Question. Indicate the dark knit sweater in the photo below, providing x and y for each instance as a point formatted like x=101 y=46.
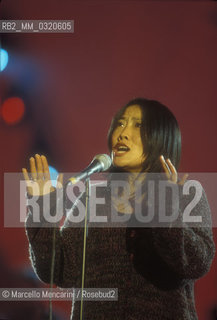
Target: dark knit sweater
x=154 y=269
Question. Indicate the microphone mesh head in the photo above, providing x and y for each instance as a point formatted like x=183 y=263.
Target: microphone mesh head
x=104 y=160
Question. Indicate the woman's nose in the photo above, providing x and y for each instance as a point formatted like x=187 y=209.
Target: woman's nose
x=124 y=134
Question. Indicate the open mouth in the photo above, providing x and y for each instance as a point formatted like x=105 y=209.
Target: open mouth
x=120 y=149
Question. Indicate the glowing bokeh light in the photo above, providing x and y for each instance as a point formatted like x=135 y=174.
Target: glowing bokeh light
x=12 y=110
x=53 y=175
x=3 y=59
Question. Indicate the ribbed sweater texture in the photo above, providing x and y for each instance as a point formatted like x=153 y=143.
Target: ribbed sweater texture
x=154 y=269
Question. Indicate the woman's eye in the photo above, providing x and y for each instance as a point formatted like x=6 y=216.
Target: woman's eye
x=138 y=125
x=120 y=124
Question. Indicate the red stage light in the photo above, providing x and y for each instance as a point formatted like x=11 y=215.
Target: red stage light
x=12 y=110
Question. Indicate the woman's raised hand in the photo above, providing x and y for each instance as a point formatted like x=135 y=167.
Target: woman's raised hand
x=38 y=181
x=171 y=172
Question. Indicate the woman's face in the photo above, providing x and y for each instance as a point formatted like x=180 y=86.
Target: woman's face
x=127 y=147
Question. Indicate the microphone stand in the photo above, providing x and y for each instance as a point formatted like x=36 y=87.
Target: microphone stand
x=87 y=213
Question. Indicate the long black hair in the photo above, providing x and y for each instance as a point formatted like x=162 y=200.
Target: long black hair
x=159 y=131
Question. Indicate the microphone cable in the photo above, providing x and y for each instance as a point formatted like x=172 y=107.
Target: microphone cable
x=52 y=272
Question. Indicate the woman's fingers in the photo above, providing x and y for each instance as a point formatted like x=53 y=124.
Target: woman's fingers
x=171 y=172
x=173 y=176
x=169 y=169
x=33 y=168
x=165 y=166
x=25 y=174
x=28 y=181
x=38 y=181
x=39 y=166
x=45 y=168
x=60 y=180
x=184 y=178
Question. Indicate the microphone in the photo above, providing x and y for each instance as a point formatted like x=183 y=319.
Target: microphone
x=101 y=162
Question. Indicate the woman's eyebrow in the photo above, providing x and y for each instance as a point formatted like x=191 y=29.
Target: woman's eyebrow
x=138 y=119
x=133 y=118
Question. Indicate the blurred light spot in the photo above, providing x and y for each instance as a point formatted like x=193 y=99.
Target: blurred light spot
x=53 y=175
x=12 y=110
x=3 y=59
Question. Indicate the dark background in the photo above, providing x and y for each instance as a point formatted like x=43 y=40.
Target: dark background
x=72 y=84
